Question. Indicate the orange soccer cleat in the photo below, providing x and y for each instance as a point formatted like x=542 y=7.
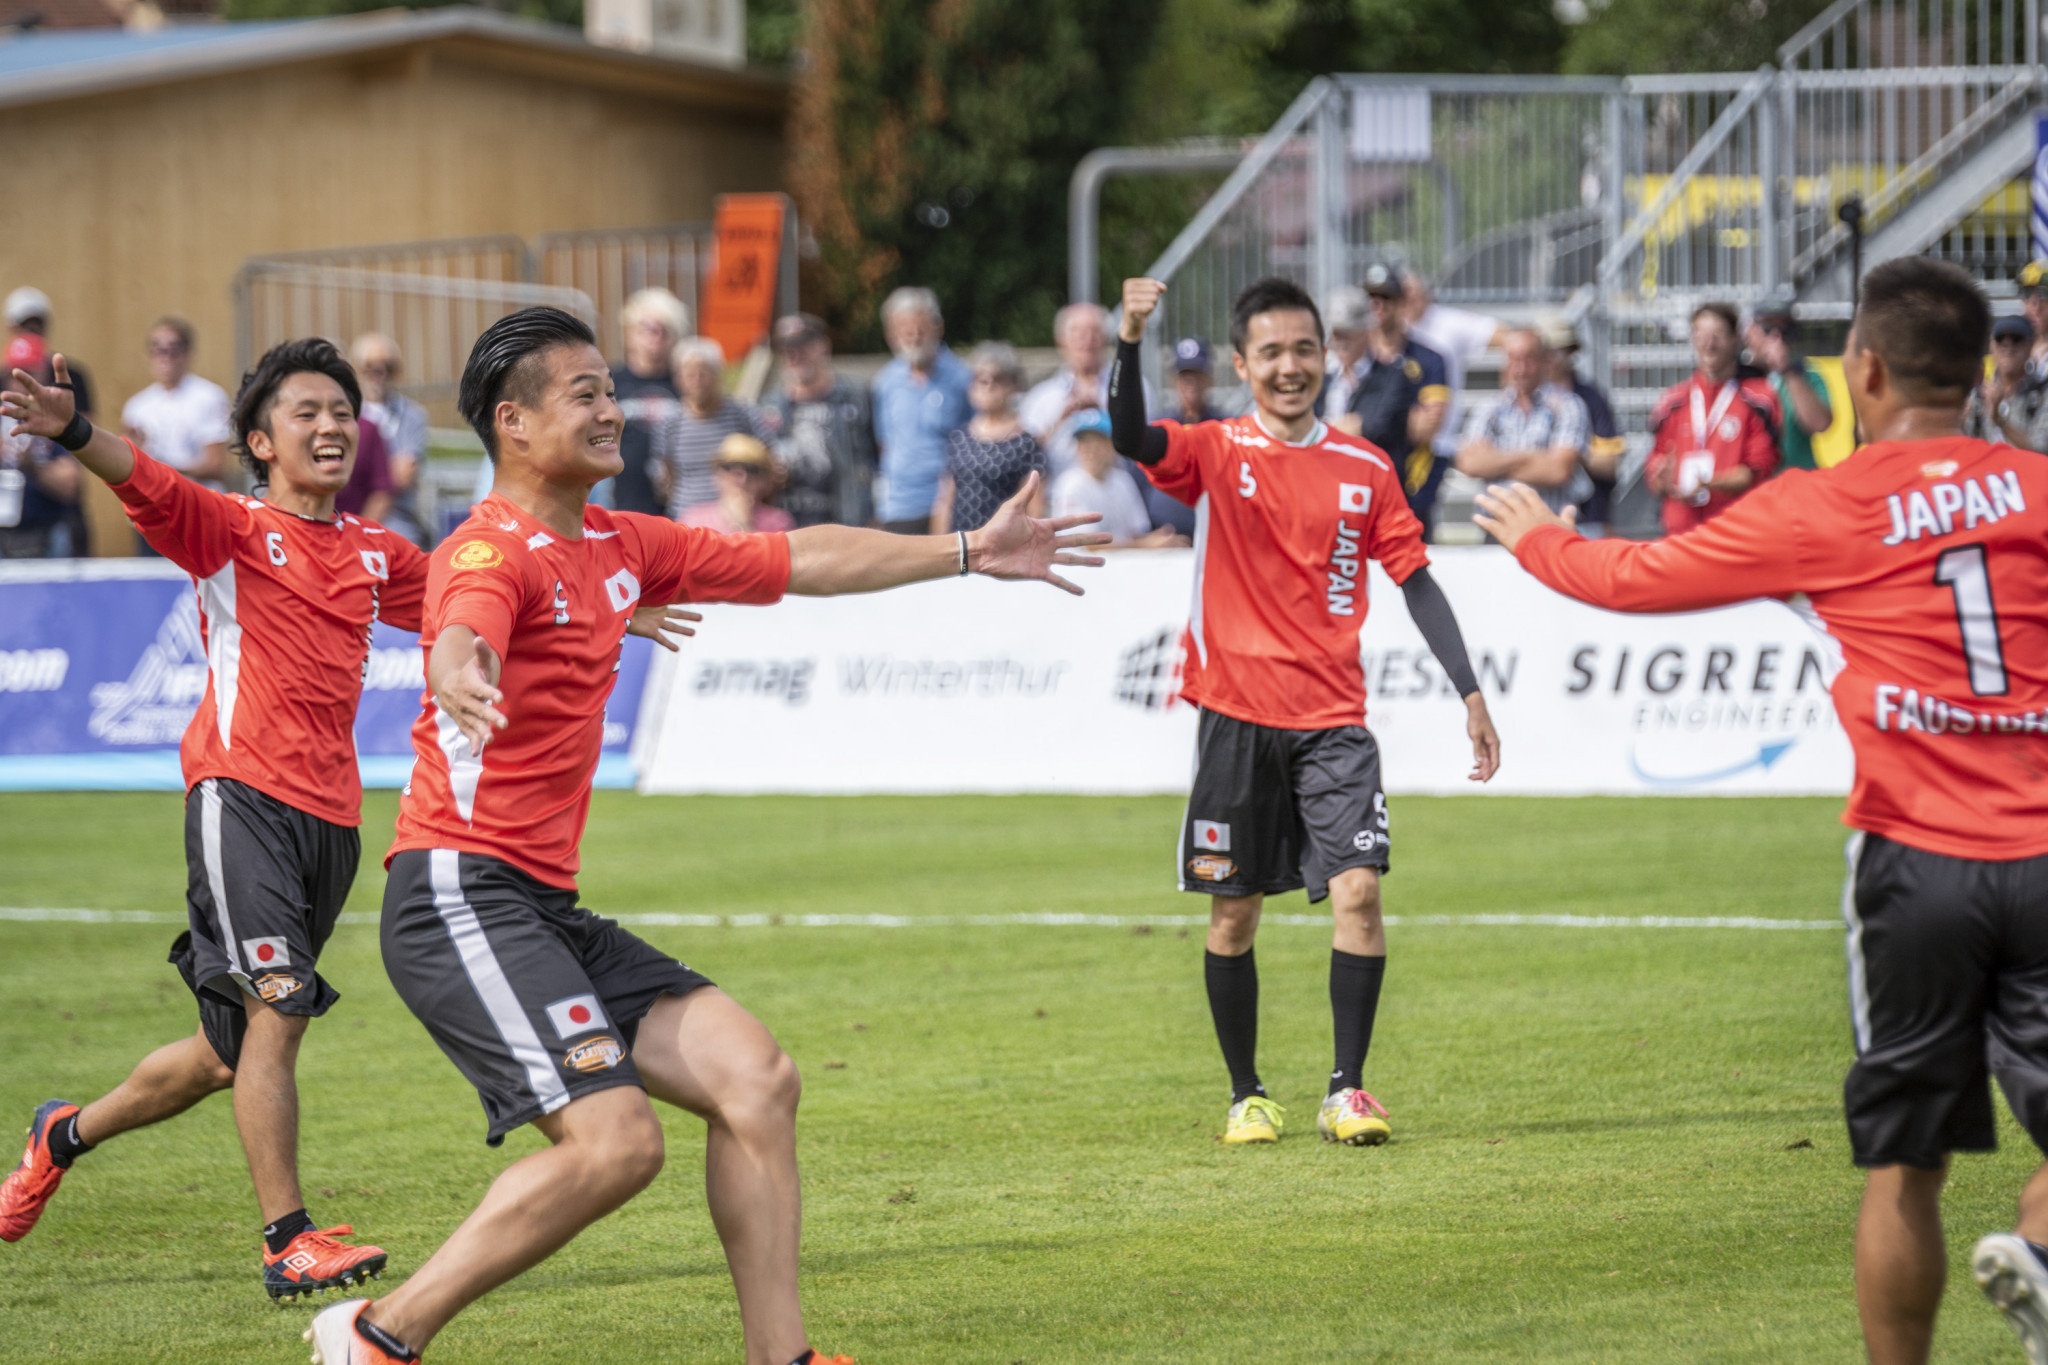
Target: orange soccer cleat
x=28 y=1187
x=314 y=1261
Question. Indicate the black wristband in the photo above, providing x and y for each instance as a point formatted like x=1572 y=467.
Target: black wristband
x=78 y=435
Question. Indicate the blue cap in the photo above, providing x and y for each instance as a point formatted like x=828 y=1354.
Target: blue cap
x=1191 y=353
x=1093 y=419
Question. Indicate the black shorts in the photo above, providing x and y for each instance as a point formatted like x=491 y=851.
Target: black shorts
x=1274 y=810
x=264 y=884
x=1948 y=981
x=535 y=999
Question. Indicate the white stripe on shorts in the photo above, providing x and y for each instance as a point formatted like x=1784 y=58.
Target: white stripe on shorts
x=488 y=978
x=216 y=876
x=1859 y=974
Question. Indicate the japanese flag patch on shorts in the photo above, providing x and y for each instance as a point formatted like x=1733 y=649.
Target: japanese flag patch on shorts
x=576 y=1014
x=1212 y=837
x=266 y=954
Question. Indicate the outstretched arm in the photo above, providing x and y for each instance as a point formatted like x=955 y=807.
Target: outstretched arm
x=1431 y=612
x=827 y=561
x=1747 y=552
x=49 y=409
x=462 y=673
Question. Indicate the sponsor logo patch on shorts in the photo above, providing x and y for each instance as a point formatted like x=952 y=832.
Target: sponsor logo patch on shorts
x=268 y=953
x=276 y=986
x=595 y=1055
x=1366 y=840
x=477 y=554
x=1210 y=869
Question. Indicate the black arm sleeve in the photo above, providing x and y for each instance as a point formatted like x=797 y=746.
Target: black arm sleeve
x=1431 y=612
x=1133 y=436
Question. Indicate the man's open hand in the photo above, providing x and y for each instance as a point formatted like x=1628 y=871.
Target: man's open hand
x=1485 y=739
x=1507 y=512
x=1016 y=544
x=652 y=623
x=1141 y=297
x=40 y=409
x=468 y=696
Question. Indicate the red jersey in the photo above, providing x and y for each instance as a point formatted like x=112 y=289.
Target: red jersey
x=555 y=611
x=285 y=608
x=1282 y=533
x=1928 y=563
x=1703 y=429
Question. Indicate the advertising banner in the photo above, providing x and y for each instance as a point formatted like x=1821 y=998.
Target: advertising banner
x=102 y=665
x=974 y=686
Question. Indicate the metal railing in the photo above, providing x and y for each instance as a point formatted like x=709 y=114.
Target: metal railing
x=434 y=298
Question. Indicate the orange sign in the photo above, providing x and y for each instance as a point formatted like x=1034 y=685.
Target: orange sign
x=739 y=299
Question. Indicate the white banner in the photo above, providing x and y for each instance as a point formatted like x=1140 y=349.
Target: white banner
x=974 y=686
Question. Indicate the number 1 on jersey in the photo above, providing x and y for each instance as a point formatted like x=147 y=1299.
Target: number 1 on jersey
x=1964 y=571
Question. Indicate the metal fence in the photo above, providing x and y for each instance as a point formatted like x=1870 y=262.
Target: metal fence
x=435 y=298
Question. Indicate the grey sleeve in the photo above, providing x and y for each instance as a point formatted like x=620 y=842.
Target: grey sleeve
x=1431 y=612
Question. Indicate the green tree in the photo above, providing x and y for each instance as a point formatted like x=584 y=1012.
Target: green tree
x=1628 y=37
x=931 y=142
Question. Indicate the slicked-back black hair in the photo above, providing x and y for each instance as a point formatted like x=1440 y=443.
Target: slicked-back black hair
x=504 y=364
x=1929 y=321
x=307 y=355
x=1270 y=295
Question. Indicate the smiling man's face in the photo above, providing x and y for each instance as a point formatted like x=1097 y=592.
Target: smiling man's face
x=567 y=428
x=309 y=438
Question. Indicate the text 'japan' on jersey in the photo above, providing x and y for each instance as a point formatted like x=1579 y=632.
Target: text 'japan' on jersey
x=1927 y=561
x=555 y=610
x=286 y=604
x=1282 y=534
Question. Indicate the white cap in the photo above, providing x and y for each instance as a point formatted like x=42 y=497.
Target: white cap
x=25 y=303
x=1347 y=309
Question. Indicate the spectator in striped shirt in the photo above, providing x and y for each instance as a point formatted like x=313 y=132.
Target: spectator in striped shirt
x=1534 y=433
x=686 y=445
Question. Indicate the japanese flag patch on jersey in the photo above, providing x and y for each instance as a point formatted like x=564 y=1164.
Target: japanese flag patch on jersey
x=576 y=1014
x=266 y=952
x=1212 y=836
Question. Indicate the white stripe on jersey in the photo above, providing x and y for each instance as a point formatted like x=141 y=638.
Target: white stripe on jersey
x=223 y=645
x=1201 y=560
x=465 y=770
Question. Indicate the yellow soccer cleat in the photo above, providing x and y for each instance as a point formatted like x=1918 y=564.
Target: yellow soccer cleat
x=1353 y=1118
x=1254 y=1119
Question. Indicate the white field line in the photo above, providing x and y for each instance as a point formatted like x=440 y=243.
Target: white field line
x=34 y=915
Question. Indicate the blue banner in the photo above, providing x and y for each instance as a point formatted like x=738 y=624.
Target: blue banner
x=102 y=665
x=2040 y=189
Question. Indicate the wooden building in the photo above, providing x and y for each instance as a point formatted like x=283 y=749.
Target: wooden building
x=146 y=167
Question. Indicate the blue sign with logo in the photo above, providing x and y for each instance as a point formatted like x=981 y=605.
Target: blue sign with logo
x=102 y=665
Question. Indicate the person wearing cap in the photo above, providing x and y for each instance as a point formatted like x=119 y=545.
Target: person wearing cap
x=1802 y=393
x=28 y=313
x=1194 y=371
x=39 y=480
x=821 y=429
x=1049 y=411
x=1097 y=483
x=2012 y=405
x=2033 y=277
x=745 y=475
x=1347 y=317
x=1604 y=446
x=1398 y=395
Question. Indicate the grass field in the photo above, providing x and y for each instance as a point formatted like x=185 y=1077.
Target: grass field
x=1610 y=1144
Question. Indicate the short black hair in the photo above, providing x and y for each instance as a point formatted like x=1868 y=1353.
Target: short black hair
x=1929 y=321
x=307 y=355
x=1724 y=311
x=1270 y=295
x=505 y=363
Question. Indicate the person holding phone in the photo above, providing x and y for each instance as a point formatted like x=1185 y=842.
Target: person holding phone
x=1716 y=431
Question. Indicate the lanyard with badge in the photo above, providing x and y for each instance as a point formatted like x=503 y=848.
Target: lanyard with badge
x=1697 y=466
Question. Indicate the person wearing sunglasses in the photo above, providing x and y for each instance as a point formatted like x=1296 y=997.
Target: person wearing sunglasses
x=2011 y=405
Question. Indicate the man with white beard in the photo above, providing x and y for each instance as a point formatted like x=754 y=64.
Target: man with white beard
x=919 y=399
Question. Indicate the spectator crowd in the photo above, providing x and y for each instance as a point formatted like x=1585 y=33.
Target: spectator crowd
x=939 y=440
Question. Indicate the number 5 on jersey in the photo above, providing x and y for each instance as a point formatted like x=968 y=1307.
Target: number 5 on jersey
x=1246 y=484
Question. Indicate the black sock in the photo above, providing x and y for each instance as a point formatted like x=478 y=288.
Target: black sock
x=65 y=1144
x=279 y=1235
x=2040 y=1252
x=1234 y=1004
x=1354 y=1000
x=383 y=1340
x=806 y=1358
